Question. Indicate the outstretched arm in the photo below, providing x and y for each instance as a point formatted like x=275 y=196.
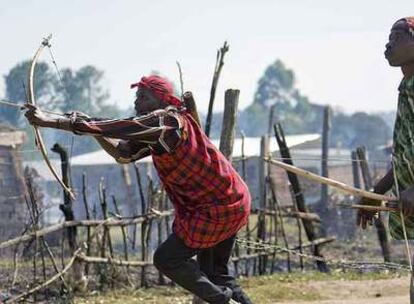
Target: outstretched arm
x=112 y=146
x=125 y=139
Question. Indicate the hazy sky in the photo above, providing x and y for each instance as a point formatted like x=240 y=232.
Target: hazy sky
x=335 y=47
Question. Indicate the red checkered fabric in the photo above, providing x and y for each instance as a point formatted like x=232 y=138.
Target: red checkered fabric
x=211 y=200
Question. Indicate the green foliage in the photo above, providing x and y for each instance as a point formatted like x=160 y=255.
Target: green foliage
x=16 y=83
x=360 y=129
x=298 y=115
x=81 y=90
x=275 y=85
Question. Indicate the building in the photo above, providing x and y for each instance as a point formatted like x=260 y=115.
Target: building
x=13 y=210
x=120 y=181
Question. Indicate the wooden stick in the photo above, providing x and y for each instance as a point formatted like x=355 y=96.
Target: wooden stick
x=331 y=182
x=231 y=101
x=124 y=235
x=373 y=208
x=191 y=107
x=48 y=282
x=108 y=260
x=313 y=217
x=23 y=106
x=278 y=213
x=315 y=242
x=83 y=223
x=298 y=198
x=217 y=70
x=88 y=217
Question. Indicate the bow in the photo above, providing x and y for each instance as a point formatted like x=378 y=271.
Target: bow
x=389 y=206
x=31 y=100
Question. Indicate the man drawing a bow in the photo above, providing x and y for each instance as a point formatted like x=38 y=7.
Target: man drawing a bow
x=211 y=201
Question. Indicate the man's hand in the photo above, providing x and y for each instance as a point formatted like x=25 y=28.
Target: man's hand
x=365 y=217
x=407 y=201
x=77 y=114
x=35 y=116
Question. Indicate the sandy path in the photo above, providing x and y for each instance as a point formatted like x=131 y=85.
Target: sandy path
x=381 y=300
x=391 y=291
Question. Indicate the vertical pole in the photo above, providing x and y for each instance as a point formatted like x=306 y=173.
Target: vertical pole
x=379 y=222
x=217 y=70
x=325 y=155
x=263 y=170
x=300 y=199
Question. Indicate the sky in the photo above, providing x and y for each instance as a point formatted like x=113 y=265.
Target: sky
x=334 y=47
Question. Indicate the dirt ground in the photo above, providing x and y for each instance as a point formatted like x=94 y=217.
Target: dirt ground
x=388 y=291
x=283 y=290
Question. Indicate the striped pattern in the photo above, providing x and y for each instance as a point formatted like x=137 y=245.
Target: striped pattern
x=403 y=153
x=210 y=199
x=142 y=133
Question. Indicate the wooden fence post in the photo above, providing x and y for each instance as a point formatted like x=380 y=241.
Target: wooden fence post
x=231 y=102
x=325 y=155
x=379 y=222
x=263 y=172
x=300 y=199
x=66 y=207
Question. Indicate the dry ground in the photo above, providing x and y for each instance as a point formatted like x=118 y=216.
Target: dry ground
x=298 y=288
x=384 y=291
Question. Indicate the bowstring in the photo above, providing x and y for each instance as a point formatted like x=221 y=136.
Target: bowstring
x=71 y=139
x=397 y=193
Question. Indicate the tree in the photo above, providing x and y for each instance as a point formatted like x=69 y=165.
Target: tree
x=298 y=115
x=15 y=82
x=293 y=110
x=82 y=90
x=360 y=129
x=275 y=86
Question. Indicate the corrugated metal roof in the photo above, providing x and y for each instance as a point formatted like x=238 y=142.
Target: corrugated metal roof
x=251 y=147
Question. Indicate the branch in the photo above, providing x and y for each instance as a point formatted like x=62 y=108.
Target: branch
x=217 y=70
x=84 y=223
x=48 y=282
x=109 y=260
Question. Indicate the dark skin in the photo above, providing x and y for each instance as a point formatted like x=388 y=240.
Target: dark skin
x=144 y=103
x=400 y=48
x=399 y=52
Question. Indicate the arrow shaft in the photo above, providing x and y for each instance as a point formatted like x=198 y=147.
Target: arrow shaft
x=327 y=181
x=22 y=106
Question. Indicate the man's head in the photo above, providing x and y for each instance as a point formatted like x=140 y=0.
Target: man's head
x=400 y=48
x=154 y=93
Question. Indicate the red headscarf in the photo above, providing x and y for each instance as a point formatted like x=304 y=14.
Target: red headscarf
x=160 y=87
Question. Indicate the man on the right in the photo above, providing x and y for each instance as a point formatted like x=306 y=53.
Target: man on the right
x=400 y=53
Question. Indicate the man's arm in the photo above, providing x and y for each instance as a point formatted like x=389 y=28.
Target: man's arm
x=111 y=146
x=119 y=149
x=126 y=140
